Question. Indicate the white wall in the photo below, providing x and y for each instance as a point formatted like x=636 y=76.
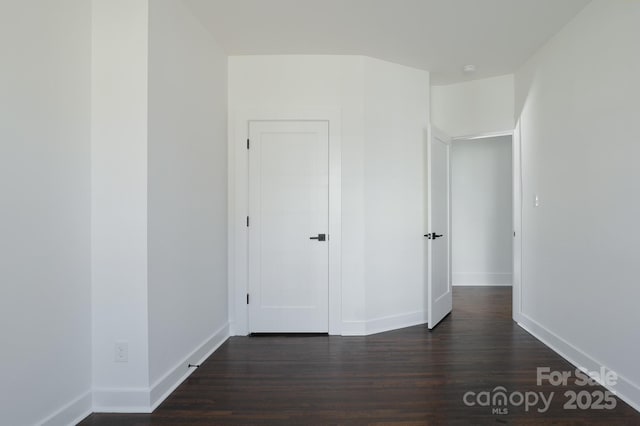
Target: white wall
x=475 y=107
x=482 y=232
x=396 y=106
x=119 y=200
x=76 y=164
x=291 y=83
x=371 y=148
x=577 y=100
x=187 y=161
x=159 y=199
x=45 y=293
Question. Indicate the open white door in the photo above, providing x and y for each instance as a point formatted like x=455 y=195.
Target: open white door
x=439 y=292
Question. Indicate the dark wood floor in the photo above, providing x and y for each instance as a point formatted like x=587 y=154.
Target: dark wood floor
x=409 y=376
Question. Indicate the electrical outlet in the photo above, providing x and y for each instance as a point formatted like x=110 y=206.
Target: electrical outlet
x=122 y=351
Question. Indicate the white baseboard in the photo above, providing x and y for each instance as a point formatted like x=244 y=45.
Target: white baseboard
x=624 y=389
x=482 y=279
x=394 y=322
x=121 y=400
x=145 y=400
x=163 y=387
x=354 y=328
x=380 y=325
x=72 y=413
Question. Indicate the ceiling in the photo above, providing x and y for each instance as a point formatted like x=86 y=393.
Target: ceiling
x=440 y=36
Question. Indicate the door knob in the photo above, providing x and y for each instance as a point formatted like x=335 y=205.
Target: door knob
x=432 y=236
x=320 y=237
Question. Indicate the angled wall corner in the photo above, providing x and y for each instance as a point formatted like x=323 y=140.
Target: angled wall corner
x=158 y=200
x=396 y=119
x=384 y=110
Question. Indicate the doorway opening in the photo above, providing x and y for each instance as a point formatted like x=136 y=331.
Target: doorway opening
x=484 y=230
x=481 y=211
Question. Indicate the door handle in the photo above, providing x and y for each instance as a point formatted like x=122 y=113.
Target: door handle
x=432 y=236
x=320 y=237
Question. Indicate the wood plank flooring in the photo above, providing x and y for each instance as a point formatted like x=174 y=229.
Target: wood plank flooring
x=409 y=377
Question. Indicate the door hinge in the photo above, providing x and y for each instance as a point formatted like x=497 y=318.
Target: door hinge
x=248 y=143
x=247 y=298
x=247 y=221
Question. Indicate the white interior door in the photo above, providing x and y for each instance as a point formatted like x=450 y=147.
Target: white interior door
x=288 y=226
x=439 y=291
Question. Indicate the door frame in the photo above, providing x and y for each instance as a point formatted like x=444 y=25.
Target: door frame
x=516 y=170
x=238 y=209
x=516 y=149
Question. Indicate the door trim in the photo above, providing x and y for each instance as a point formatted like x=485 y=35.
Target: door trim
x=516 y=147
x=238 y=203
x=482 y=135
